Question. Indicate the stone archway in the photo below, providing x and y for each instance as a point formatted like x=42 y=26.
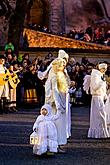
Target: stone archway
x=38 y=13
x=62 y=15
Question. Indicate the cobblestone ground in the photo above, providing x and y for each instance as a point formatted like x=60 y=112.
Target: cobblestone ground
x=15 y=149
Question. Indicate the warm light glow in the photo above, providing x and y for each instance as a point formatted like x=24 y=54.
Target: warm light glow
x=44 y=40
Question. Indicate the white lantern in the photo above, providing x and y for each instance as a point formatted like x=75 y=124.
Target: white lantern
x=34 y=138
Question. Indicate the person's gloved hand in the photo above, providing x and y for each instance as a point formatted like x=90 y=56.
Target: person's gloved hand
x=62 y=111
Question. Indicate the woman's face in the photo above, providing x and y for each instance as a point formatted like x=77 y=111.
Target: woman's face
x=73 y=69
x=72 y=84
x=26 y=57
x=44 y=112
x=24 y=63
x=2 y=61
x=103 y=70
x=77 y=68
x=10 y=56
x=82 y=67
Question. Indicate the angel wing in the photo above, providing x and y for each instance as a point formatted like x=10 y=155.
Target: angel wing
x=86 y=83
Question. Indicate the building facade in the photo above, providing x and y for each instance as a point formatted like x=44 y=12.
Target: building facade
x=59 y=16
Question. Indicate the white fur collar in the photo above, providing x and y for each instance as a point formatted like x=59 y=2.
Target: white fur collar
x=95 y=71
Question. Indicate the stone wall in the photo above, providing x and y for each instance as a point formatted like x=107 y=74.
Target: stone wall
x=64 y=15
x=107 y=5
x=80 y=13
x=76 y=14
x=4 y=24
x=56 y=21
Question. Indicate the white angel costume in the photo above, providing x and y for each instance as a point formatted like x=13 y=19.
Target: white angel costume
x=86 y=83
x=46 y=132
x=57 y=98
x=51 y=90
x=98 y=124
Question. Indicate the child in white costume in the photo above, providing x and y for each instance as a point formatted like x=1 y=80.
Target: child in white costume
x=46 y=131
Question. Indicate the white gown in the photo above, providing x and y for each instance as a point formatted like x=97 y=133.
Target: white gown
x=98 y=123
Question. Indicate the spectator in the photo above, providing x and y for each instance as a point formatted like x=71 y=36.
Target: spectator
x=26 y=57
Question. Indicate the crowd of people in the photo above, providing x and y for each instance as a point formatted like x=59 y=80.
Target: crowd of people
x=34 y=91
x=54 y=85
x=93 y=34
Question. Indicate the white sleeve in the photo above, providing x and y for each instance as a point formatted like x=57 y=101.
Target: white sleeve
x=38 y=120
x=55 y=117
x=72 y=90
x=42 y=75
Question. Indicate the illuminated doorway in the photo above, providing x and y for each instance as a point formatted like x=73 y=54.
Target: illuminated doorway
x=38 y=13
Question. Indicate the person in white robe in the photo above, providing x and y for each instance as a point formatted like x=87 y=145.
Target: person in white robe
x=98 y=123
x=48 y=88
x=59 y=83
x=46 y=131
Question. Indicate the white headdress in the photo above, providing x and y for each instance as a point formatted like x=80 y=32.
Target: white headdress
x=47 y=107
x=63 y=54
x=103 y=65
